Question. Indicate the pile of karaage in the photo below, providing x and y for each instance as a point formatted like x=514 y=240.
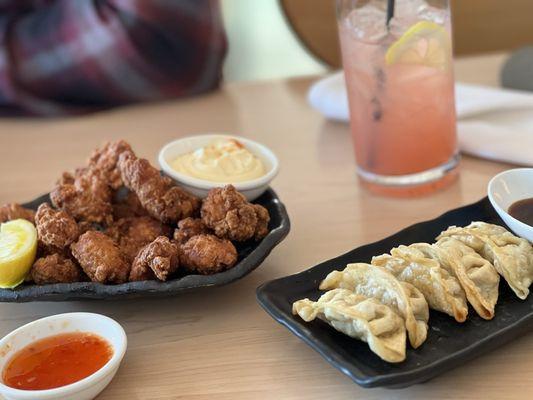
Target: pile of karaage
x=118 y=220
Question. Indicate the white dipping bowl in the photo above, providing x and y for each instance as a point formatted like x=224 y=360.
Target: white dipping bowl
x=251 y=189
x=85 y=389
x=506 y=188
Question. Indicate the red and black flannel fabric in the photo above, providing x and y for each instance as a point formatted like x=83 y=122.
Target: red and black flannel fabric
x=69 y=56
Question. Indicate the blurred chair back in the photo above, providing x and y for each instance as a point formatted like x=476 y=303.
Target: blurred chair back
x=314 y=23
x=479 y=26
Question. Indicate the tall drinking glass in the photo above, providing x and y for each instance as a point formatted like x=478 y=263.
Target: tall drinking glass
x=399 y=76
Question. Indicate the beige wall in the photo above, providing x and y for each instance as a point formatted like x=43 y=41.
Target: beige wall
x=261 y=45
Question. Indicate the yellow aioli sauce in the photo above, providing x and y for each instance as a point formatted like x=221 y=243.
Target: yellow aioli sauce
x=223 y=160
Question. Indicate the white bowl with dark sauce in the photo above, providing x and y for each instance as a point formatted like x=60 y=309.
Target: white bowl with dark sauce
x=511 y=194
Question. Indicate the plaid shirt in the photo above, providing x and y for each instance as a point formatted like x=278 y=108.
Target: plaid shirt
x=71 y=56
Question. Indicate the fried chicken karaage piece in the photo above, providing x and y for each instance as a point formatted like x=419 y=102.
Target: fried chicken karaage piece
x=207 y=254
x=159 y=258
x=44 y=250
x=132 y=234
x=13 y=211
x=54 y=268
x=84 y=226
x=55 y=227
x=189 y=227
x=84 y=196
x=128 y=206
x=231 y=216
x=158 y=195
x=263 y=218
x=100 y=258
x=103 y=162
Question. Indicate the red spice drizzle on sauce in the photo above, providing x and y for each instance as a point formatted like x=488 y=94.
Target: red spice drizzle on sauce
x=57 y=361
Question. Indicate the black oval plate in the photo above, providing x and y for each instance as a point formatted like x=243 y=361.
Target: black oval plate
x=251 y=255
x=449 y=343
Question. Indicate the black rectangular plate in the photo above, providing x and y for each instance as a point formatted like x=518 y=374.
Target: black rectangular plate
x=449 y=343
x=251 y=255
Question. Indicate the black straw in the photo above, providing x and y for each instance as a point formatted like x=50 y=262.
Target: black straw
x=390 y=10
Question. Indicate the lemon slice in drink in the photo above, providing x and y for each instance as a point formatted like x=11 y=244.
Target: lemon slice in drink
x=424 y=43
x=18 y=246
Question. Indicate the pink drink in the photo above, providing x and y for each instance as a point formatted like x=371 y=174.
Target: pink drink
x=402 y=107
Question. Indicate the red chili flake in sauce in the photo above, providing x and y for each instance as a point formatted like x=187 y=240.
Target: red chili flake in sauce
x=56 y=361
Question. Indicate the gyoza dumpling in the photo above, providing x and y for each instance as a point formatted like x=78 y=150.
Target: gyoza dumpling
x=441 y=290
x=361 y=318
x=511 y=256
x=477 y=276
x=376 y=282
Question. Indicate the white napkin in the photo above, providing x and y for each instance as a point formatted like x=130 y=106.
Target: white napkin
x=493 y=123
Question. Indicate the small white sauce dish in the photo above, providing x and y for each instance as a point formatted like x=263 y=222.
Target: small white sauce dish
x=251 y=189
x=508 y=187
x=85 y=389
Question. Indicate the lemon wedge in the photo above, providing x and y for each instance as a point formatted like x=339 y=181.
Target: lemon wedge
x=18 y=246
x=425 y=43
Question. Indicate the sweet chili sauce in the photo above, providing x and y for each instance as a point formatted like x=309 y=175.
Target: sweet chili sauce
x=57 y=361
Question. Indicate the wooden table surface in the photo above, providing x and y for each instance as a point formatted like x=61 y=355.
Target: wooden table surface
x=218 y=343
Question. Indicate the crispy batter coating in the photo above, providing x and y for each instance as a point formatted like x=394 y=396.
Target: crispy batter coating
x=207 y=254
x=189 y=227
x=44 y=250
x=231 y=216
x=100 y=258
x=66 y=178
x=128 y=206
x=55 y=227
x=84 y=196
x=157 y=194
x=133 y=233
x=12 y=211
x=103 y=162
x=158 y=258
x=263 y=218
x=84 y=226
x=54 y=268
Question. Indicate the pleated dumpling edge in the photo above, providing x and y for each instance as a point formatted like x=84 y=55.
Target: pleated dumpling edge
x=361 y=318
x=376 y=282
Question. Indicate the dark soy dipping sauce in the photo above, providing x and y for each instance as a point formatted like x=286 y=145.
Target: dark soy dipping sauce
x=522 y=210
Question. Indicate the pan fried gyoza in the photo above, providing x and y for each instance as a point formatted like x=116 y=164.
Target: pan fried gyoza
x=361 y=318
x=376 y=282
x=511 y=256
x=441 y=290
x=477 y=276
